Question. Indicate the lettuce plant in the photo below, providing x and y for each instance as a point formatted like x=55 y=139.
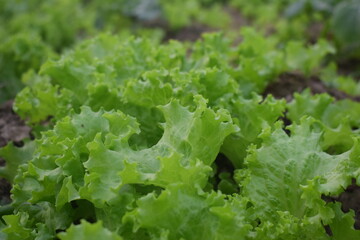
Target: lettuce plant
x=171 y=141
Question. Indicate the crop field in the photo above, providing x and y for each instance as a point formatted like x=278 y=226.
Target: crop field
x=180 y=119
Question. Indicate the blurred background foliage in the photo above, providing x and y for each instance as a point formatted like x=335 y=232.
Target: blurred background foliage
x=35 y=30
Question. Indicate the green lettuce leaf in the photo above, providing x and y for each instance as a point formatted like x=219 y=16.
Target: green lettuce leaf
x=14 y=157
x=15 y=229
x=342 y=227
x=71 y=162
x=259 y=62
x=307 y=59
x=183 y=154
x=287 y=176
x=18 y=54
x=39 y=221
x=252 y=116
x=88 y=231
x=179 y=213
x=341 y=118
x=324 y=108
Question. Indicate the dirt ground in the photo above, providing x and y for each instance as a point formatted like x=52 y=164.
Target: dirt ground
x=13 y=129
x=289 y=83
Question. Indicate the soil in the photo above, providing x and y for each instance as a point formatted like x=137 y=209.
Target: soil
x=5 y=188
x=12 y=128
x=237 y=19
x=350 y=67
x=314 y=32
x=289 y=83
x=194 y=31
x=189 y=33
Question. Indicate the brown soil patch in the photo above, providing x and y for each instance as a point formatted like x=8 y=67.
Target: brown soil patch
x=5 y=188
x=12 y=128
x=350 y=67
x=289 y=83
x=189 y=33
x=314 y=31
x=237 y=19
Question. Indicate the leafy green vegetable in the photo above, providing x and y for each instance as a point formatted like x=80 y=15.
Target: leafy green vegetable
x=286 y=177
x=138 y=139
x=18 y=54
x=346 y=25
x=177 y=213
x=345 y=83
x=88 y=231
x=183 y=13
x=342 y=227
x=341 y=118
x=14 y=157
x=71 y=162
x=305 y=60
x=252 y=116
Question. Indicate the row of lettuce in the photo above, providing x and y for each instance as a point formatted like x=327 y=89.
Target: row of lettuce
x=136 y=127
x=33 y=31
x=128 y=130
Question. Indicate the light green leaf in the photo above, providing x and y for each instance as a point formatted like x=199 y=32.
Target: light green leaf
x=185 y=214
x=15 y=229
x=14 y=157
x=190 y=143
x=339 y=117
x=252 y=116
x=342 y=227
x=288 y=175
x=88 y=231
x=307 y=59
